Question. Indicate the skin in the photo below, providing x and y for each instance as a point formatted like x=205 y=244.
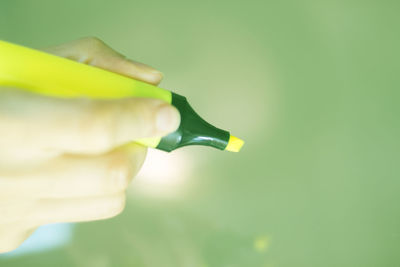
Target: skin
x=71 y=160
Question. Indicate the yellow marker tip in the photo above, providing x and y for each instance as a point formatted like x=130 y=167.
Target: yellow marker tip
x=234 y=144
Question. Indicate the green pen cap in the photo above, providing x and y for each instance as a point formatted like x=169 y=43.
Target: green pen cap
x=193 y=130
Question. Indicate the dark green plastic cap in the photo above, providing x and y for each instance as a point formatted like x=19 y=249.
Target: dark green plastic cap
x=193 y=130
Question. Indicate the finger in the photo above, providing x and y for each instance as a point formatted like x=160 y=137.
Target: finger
x=95 y=52
x=77 y=210
x=12 y=239
x=14 y=210
x=31 y=122
x=72 y=176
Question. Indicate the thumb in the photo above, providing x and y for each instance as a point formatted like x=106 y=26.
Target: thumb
x=80 y=125
x=93 y=51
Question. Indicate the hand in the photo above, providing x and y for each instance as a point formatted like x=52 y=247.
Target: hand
x=71 y=160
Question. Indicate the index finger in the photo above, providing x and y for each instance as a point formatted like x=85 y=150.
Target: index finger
x=93 y=51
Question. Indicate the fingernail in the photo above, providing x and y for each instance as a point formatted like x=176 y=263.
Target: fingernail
x=168 y=118
x=154 y=74
x=147 y=73
x=147 y=68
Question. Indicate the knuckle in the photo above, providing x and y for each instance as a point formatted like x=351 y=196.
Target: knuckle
x=120 y=172
x=92 y=41
x=132 y=119
x=10 y=243
x=7 y=247
x=145 y=124
x=90 y=46
x=98 y=128
x=116 y=205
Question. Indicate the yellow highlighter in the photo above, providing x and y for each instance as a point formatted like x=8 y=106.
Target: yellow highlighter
x=50 y=75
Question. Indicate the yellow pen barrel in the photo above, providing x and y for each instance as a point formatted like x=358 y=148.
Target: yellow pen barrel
x=51 y=75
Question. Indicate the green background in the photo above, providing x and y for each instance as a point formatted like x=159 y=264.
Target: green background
x=312 y=87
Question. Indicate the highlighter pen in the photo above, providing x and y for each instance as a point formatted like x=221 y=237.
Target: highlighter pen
x=54 y=76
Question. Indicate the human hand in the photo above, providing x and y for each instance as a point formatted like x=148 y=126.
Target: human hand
x=71 y=160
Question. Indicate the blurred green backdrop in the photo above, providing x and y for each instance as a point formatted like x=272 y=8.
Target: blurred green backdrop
x=312 y=86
